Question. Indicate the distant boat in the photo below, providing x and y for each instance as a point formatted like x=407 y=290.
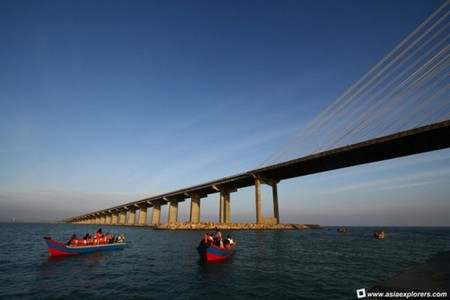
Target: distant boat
x=60 y=249
x=342 y=229
x=379 y=235
x=215 y=254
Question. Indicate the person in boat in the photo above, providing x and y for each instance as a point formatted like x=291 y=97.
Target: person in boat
x=226 y=243
x=85 y=239
x=90 y=240
x=218 y=238
x=204 y=240
x=107 y=238
x=210 y=239
x=230 y=240
x=103 y=238
x=379 y=234
x=98 y=236
x=73 y=241
x=121 y=238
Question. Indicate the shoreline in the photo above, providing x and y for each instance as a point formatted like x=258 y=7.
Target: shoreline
x=234 y=226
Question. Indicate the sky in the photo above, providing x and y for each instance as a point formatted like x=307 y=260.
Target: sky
x=106 y=102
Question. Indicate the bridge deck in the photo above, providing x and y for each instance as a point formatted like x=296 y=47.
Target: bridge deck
x=418 y=140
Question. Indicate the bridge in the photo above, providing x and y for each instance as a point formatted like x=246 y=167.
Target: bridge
x=400 y=107
x=418 y=140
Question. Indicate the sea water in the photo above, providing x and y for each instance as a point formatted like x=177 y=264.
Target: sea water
x=290 y=264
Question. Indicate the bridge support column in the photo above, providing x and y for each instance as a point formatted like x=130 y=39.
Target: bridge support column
x=122 y=217
x=108 y=219
x=103 y=219
x=259 y=216
x=131 y=216
x=156 y=214
x=173 y=212
x=195 y=208
x=143 y=216
x=115 y=217
x=221 y=208
x=276 y=213
x=225 y=207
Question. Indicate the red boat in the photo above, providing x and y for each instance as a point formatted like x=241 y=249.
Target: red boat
x=60 y=249
x=215 y=254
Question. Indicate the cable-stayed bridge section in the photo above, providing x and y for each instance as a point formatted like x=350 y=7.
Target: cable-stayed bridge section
x=400 y=107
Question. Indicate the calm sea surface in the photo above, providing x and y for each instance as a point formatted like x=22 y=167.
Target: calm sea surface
x=313 y=264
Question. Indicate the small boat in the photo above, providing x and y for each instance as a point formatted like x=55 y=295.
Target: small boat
x=215 y=254
x=342 y=229
x=379 y=235
x=60 y=249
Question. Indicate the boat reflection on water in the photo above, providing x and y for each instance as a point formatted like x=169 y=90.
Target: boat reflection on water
x=92 y=257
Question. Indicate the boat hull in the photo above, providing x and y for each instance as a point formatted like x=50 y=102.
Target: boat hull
x=60 y=249
x=214 y=253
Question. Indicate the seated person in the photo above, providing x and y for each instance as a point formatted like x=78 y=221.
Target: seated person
x=226 y=243
x=210 y=239
x=121 y=238
x=85 y=239
x=73 y=241
x=204 y=240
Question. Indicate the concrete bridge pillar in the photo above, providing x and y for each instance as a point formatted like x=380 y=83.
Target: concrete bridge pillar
x=115 y=217
x=131 y=216
x=108 y=219
x=173 y=212
x=195 y=208
x=227 y=207
x=276 y=213
x=156 y=214
x=221 y=207
x=224 y=205
x=143 y=216
x=259 y=216
x=122 y=217
x=103 y=219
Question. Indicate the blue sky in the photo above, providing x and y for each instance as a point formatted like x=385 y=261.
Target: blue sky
x=104 y=102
